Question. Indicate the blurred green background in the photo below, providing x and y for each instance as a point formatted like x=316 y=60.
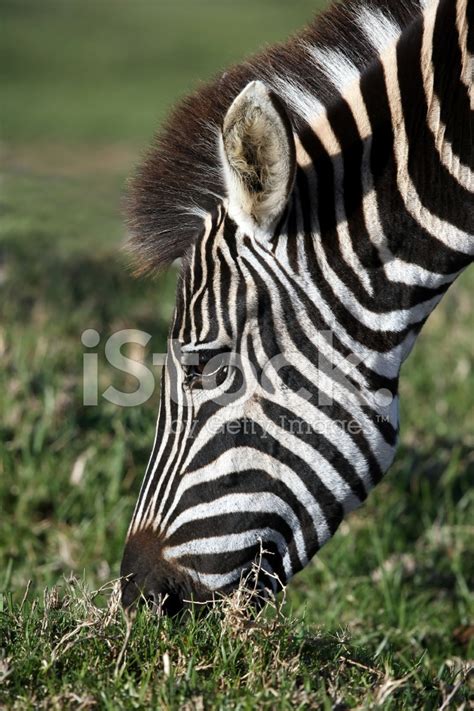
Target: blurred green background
x=83 y=87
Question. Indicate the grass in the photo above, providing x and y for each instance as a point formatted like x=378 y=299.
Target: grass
x=383 y=617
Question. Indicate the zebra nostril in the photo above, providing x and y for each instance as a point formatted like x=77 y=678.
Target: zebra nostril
x=163 y=603
x=171 y=604
x=130 y=592
x=151 y=599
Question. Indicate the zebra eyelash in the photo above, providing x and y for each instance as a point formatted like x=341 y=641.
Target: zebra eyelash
x=195 y=365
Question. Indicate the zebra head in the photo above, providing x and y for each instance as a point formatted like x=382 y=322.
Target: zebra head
x=251 y=461
x=321 y=215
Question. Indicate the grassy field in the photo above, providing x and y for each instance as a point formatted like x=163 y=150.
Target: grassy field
x=383 y=618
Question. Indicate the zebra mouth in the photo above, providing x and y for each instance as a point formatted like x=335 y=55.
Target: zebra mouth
x=150 y=580
x=162 y=604
x=161 y=601
x=170 y=604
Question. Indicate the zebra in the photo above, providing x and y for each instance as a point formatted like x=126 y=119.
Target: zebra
x=320 y=199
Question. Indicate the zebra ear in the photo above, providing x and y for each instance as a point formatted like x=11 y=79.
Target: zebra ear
x=259 y=157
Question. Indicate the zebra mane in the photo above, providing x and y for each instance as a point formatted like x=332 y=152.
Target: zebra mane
x=181 y=180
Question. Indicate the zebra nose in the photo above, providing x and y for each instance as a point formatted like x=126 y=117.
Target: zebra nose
x=169 y=604
x=130 y=591
x=147 y=579
x=165 y=603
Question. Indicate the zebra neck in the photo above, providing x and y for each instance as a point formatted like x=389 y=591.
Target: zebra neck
x=381 y=221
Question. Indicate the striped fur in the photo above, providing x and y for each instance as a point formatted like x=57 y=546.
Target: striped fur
x=322 y=300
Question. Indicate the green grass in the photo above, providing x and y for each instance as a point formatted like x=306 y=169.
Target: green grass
x=381 y=617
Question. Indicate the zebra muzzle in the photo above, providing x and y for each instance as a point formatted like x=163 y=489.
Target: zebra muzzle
x=148 y=579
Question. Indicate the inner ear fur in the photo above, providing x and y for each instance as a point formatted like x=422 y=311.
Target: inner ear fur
x=259 y=155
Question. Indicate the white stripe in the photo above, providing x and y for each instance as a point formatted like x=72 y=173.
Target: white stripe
x=263 y=502
x=403 y=272
x=391 y=321
x=216 y=581
x=240 y=459
x=231 y=543
x=386 y=363
x=396 y=270
x=299 y=99
x=453 y=164
x=182 y=415
x=439 y=230
x=338 y=68
x=380 y=30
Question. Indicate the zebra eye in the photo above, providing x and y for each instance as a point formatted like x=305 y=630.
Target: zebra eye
x=207 y=369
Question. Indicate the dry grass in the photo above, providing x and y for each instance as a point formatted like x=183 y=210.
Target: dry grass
x=84 y=653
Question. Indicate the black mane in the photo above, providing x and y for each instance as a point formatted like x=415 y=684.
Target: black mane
x=181 y=178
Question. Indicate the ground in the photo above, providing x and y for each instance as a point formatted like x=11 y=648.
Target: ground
x=383 y=617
